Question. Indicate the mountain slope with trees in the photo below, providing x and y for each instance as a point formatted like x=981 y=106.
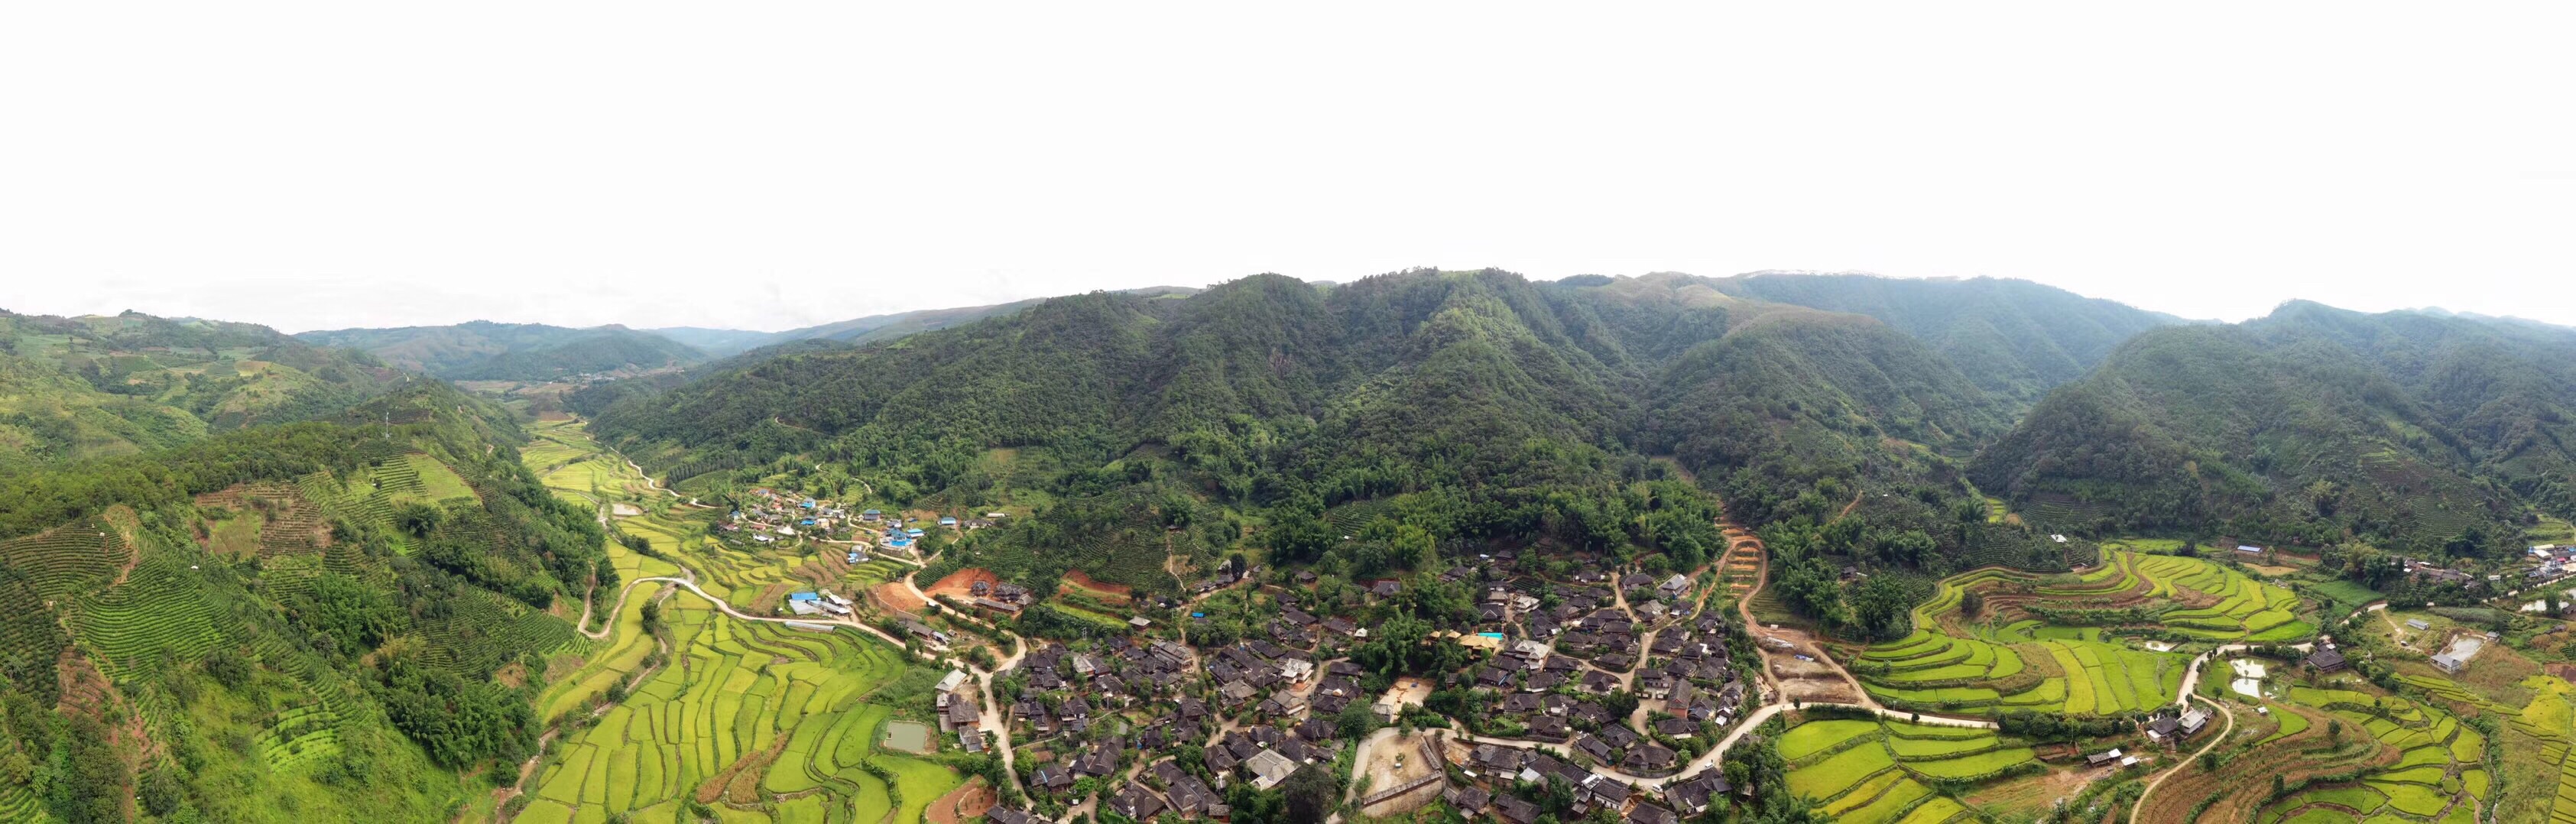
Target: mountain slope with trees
x=106 y=385
x=2410 y=430
x=1471 y=408
x=2012 y=337
x=284 y=621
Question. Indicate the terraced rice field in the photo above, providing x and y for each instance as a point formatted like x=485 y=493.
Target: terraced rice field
x=737 y=689
x=2416 y=763
x=577 y=468
x=1881 y=771
x=2551 y=718
x=745 y=715
x=2015 y=656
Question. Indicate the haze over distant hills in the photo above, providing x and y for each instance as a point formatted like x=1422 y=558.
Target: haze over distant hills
x=723 y=342
x=484 y=350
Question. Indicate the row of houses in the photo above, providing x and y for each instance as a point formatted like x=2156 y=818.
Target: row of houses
x=1492 y=769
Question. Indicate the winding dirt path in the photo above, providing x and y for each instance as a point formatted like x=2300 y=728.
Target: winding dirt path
x=2141 y=803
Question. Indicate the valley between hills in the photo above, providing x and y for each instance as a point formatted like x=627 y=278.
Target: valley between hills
x=1428 y=546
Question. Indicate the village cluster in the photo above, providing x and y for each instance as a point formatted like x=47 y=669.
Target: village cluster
x=1598 y=677
x=766 y=516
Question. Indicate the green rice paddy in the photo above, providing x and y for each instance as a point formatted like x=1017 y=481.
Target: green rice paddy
x=1883 y=771
x=730 y=693
x=2013 y=659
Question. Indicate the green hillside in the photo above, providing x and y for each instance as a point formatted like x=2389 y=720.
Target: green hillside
x=106 y=385
x=2012 y=337
x=327 y=618
x=1503 y=411
x=2410 y=430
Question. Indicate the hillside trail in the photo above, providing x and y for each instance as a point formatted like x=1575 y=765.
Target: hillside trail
x=1847 y=508
x=1773 y=691
x=1776 y=694
x=2141 y=803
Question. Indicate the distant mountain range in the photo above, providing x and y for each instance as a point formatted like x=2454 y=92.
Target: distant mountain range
x=724 y=342
x=484 y=350
x=115 y=384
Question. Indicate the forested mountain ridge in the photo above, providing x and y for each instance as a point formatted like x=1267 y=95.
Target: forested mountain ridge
x=2411 y=430
x=103 y=385
x=1496 y=408
x=484 y=350
x=2011 y=337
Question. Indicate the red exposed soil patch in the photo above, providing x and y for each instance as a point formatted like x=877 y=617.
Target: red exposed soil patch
x=961 y=584
x=86 y=691
x=294 y=525
x=896 y=598
x=1076 y=578
x=2567 y=671
x=966 y=803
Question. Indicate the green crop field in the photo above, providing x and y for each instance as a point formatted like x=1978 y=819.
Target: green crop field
x=729 y=688
x=684 y=725
x=2049 y=642
x=2440 y=764
x=1883 y=771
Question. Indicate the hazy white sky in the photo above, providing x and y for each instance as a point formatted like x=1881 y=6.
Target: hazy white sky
x=769 y=165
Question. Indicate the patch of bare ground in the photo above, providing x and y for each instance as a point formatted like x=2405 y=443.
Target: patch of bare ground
x=767 y=601
x=87 y=692
x=2032 y=793
x=966 y=803
x=739 y=782
x=563 y=666
x=895 y=597
x=1383 y=774
x=1112 y=593
x=1809 y=680
x=961 y=584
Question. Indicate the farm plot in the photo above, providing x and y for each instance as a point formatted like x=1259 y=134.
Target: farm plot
x=1884 y=771
x=2408 y=763
x=2047 y=642
x=771 y=712
x=741 y=715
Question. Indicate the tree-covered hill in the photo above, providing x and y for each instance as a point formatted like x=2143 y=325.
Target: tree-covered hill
x=330 y=618
x=1503 y=410
x=2407 y=429
x=484 y=350
x=2012 y=337
x=104 y=385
